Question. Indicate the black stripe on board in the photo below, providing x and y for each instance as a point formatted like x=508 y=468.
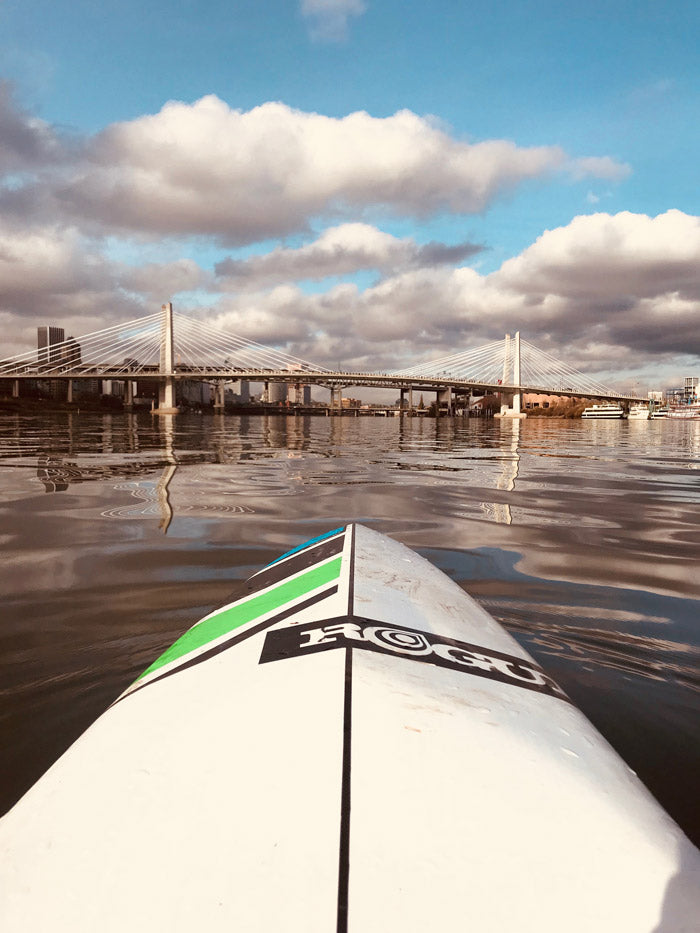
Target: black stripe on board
x=344 y=858
x=268 y=576
x=236 y=639
x=285 y=567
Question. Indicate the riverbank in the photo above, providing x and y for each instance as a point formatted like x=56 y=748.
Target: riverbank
x=564 y=410
x=104 y=403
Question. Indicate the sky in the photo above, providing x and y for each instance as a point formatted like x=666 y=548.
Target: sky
x=371 y=183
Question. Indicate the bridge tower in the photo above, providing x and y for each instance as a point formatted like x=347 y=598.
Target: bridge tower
x=506 y=360
x=511 y=376
x=517 y=396
x=166 y=387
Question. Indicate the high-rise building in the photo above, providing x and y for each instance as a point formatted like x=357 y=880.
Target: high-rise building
x=690 y=389
x=47 y=339
x=71 y=352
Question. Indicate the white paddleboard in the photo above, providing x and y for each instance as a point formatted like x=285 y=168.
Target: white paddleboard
x=353 y=745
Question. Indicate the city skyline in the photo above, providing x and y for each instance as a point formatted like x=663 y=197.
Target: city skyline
x=358 y=181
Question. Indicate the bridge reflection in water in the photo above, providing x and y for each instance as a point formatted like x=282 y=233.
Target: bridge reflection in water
x=154 y=461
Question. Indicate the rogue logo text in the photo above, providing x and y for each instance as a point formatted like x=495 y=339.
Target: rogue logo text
x=355 y=632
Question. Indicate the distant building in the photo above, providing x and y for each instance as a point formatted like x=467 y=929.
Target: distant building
x=238 y=393
x=47 y=340
x=275 y=393
x=83 y=387
x=690 y=388
x=113 y=387
x=70 y=352
x=656 y=395
x=194 y=392
x=299 y=394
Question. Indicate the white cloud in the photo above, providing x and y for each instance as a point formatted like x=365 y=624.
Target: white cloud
x=42 y=262
x=600 y=167
x=26 y=142
x=206 y=169
x=246 y=176
x=618 y=257
x=328 y=19
x=341 y=250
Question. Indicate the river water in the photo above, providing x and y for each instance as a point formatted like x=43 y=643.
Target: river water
x=582 y=538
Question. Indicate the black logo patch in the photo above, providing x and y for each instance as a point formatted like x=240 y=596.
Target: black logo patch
x=294 y=641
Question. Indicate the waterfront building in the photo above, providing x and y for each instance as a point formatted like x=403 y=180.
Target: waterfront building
x=676 y=395
x=538 y=400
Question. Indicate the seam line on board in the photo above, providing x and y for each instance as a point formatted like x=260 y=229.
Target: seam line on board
x=344 y=855
x=345 y=799
x=351 y=580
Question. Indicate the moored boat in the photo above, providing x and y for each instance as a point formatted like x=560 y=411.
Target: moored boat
x=690 y=411
x=352 y=744
x=661 y=412
x=603 y=412
x=639 y=413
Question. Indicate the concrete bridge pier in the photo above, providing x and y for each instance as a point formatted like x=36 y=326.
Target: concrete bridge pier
x=219 y=398
x=166 y=397
x=336 y=400
x=405 y=409
x=167 y=404
x=512 y=407
x=128 y=394
x=444 y=397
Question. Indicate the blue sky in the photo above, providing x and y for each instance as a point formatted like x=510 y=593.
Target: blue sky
x=607 y=93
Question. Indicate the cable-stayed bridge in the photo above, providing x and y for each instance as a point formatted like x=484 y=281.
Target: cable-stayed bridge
x=167 y=347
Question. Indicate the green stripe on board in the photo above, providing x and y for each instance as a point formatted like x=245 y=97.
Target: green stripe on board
x=240 y=613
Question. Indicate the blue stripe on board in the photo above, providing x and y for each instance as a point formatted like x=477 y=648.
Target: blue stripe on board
x=306 y=544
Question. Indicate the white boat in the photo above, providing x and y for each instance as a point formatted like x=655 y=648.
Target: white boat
x=661 y=412
x=351 y=745
x=690 y=411
x=638 y=413
x=602 y=412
